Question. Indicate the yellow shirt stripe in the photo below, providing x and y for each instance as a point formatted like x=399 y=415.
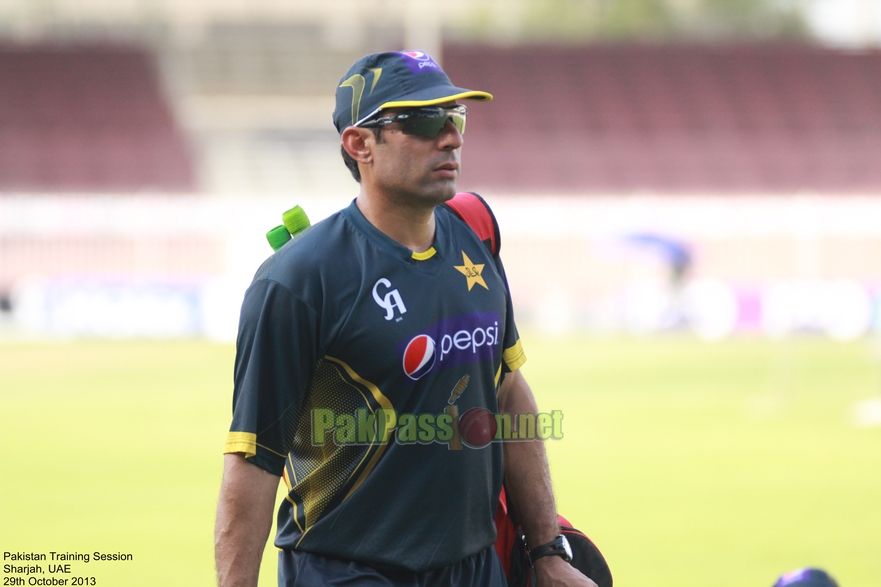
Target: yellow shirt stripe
x=244 y=442
x=424 y=255
x=514 y=356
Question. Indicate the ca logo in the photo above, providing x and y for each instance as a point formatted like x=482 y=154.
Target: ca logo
x=391 y=300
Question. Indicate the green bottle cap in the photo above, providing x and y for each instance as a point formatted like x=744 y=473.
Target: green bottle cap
x=277 y=237
x=295 y=220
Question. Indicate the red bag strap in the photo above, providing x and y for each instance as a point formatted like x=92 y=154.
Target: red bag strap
x=476 y=213
x=506 y=533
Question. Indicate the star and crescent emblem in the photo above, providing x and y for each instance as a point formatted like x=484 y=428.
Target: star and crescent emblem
x=471 y=271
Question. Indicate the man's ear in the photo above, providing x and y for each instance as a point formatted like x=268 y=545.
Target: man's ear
x=358 y=143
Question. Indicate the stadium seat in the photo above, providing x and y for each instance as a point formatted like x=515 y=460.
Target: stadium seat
x=687 y=118
x=88 y=119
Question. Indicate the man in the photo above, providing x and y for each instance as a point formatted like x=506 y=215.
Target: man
x=356 y=340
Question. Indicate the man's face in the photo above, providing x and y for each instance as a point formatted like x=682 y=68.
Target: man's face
x=416 y=169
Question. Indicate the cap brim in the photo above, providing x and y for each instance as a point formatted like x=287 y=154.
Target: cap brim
x=430 y=97
x=416 y=102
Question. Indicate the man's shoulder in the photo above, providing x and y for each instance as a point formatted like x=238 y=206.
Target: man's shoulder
x=314 y=253
x=469 y=212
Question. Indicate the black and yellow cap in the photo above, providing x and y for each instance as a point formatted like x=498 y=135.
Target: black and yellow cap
x=395 y=79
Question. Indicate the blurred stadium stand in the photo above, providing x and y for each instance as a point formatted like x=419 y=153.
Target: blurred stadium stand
x=672 y=119
x=87 y=119
x=257 y=100
x=163 y=154
x=247 y=110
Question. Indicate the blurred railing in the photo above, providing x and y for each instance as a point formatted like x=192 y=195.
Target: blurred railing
x=173 y=265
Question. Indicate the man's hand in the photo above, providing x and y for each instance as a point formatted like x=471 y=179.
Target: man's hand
x=244 y=518
x=553 y=571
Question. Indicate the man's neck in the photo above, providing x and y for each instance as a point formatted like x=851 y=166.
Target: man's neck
x=411 y=226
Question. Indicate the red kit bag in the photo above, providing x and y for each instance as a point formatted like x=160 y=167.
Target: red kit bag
x=511 y=547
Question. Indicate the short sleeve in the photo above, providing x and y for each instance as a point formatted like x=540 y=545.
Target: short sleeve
x=277 y=351
x=513 y=356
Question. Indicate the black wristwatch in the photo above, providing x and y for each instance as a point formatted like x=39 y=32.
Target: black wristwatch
x=559 y=546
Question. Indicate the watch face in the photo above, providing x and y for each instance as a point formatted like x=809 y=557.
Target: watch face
x=566 y=547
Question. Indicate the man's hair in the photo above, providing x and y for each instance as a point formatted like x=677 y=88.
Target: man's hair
x=351 y=163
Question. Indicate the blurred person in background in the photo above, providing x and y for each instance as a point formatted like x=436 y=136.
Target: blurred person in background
x=807 y=577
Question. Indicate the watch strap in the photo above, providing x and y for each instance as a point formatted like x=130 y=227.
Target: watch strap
x=555 y=547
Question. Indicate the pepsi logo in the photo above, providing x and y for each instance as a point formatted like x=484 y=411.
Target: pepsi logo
x=419 y=356
x=417 y=55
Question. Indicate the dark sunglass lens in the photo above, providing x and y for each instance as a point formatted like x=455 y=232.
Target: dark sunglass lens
x=430 y=121
x=424 y=127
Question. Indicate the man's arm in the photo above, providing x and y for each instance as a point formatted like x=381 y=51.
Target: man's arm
x=244 y=518
x=528 y=486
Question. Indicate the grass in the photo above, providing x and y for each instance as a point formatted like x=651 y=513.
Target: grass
x=695 y=464
x=688 y=463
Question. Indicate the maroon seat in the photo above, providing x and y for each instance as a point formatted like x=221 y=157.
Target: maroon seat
x=673 y=118
x=87 y=118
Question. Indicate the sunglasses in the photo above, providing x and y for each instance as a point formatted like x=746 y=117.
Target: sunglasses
x=427 y=121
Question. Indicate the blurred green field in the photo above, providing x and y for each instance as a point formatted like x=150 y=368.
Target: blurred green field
x=690 y=464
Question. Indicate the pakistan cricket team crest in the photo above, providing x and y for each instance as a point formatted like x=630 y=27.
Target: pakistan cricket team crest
x=472 y=272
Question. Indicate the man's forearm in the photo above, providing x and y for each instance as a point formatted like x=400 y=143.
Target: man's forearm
x=244 y=518
x=527 y=476
x=528 y=486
